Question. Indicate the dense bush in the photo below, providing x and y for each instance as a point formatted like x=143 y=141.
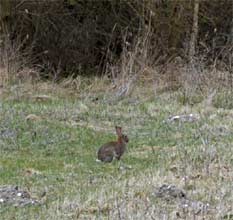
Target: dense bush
x=66 y=37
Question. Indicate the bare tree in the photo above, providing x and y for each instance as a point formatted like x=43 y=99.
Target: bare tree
x=4 y=14
x=231 y=24
x=194 y=33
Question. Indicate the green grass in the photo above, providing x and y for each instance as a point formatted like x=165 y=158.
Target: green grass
x=57 y=155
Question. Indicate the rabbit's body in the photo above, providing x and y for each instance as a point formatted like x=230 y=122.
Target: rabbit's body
x=113 y=149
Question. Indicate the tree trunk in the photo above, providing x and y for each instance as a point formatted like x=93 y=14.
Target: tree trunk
x=193 y=40
x=5 y=11
x=231 y=24
x=4 y=15
x=231 y=50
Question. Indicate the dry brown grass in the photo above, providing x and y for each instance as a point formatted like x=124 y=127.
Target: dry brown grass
x=15 y=66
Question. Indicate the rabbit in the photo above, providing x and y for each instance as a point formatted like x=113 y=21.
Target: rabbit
x=113 y=149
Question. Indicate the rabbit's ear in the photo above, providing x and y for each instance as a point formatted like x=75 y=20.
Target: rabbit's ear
x=118 y=130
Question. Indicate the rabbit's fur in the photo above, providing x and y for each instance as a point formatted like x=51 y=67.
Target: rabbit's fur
x=113 y=149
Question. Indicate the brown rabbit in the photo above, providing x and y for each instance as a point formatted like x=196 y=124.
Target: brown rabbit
x=112 y=149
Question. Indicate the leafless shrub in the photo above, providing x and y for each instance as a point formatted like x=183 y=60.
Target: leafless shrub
x=137 y=64
x=14 y=65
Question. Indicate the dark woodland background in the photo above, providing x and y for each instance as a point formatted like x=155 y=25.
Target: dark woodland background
x=63 y=38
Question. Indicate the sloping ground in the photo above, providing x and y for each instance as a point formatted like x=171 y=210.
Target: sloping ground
x=48 y=146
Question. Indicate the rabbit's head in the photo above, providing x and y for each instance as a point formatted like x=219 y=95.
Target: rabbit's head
x=125 y=138
x=121 y=137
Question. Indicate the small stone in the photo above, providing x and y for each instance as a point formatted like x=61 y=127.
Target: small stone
x=170 y=191
x=42 y=97
x=32 y=117
x=12 y=195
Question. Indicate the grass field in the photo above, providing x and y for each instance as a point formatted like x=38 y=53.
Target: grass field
x=53 y=155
